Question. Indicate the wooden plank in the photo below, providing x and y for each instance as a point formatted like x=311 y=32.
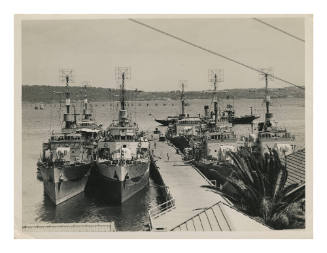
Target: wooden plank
x=197 y=224
x=190 y=226
x=213 y=220
x=205 y=221
x=185 y=186
x=221 y=218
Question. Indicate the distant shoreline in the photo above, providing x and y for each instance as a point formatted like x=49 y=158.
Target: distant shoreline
x=53 y=94
x=144 y=102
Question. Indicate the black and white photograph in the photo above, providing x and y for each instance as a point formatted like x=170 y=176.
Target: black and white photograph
x=163 y=125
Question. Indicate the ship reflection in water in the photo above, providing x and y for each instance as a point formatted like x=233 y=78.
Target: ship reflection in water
x=89 y=206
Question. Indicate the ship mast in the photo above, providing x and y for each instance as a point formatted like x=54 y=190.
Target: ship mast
x=122 y=94
x=215 y=76
x=68 y=116
x=122 y=112
x=268 y=115
x=183 y=101
x=86 y=114
x=85 y=102
x=215 y=99
x=67 y=95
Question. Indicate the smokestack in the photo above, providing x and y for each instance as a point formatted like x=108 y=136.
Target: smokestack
x=75 y=119
x=216 y=112
x=206 y=111
x=183 y=108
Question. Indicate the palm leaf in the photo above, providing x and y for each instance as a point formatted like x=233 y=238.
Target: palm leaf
x=295 y=194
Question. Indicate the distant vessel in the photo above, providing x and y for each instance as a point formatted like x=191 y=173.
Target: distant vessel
x=39 y=106
x=245 y=119
x=168 y=120
x=67 y=157
x=186 y=130
x=229 y=114
x=123 y=157
x=173 y=119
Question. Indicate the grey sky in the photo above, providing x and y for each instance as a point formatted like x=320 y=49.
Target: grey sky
x=93 y=48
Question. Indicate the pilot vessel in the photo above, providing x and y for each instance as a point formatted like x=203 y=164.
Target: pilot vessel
x=67 y=156
x=122 y=166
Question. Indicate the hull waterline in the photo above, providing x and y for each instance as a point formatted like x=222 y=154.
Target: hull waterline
x=115 y=186
x=63 y=183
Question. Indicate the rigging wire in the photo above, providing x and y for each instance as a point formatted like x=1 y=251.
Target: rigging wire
x=214 y=53
x=278 y=29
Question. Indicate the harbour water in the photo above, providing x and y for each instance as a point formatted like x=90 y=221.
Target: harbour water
x=133 y=214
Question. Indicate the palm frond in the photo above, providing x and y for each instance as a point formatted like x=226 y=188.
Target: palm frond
x=258 y=185
x=295 y=194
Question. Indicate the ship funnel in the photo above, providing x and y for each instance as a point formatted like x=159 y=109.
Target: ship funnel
x=206 y=111
x=122 y=115
x=216 y=112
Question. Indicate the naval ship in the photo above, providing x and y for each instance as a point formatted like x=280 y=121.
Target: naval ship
x=229 y=113
x=67 y=156
x=184 y=132
x=211 y=152
x=122 y=166
x=270 y=135
x=168 y=120
x=218 y=138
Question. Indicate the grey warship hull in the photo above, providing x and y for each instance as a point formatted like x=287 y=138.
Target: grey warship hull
x=120 y=183
x=64 y=182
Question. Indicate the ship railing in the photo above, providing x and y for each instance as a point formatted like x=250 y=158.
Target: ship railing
x=161 y=209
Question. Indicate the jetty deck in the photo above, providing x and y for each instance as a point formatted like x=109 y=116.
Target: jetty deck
x=192 y=207
x=184 y=184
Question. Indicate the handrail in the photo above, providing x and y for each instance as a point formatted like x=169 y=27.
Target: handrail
x=158 y=210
